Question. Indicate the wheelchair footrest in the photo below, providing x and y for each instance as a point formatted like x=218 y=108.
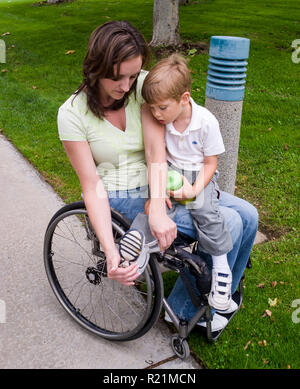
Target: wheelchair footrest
x=238 y=298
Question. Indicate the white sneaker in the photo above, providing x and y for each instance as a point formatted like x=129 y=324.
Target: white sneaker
x=233 y=307
x=218 y=322
x=132 y=248
x=220 y=294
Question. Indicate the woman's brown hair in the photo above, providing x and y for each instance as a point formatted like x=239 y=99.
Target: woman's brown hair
x=110 y=44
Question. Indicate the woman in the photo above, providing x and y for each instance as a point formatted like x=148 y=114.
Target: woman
x=101 y=129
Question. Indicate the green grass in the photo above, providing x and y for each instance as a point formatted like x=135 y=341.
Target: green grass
x=268 y=167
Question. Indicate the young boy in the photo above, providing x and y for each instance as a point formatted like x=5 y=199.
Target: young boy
x=193 y=142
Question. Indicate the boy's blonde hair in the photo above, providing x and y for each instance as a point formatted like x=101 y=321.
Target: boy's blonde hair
x=168 y=79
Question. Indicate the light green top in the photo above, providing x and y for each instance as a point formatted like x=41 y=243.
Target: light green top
x=119 y=155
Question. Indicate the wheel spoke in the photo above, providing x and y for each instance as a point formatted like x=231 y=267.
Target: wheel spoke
x=79 y=280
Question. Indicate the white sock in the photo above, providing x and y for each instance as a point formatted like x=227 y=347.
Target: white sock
x=220 y=263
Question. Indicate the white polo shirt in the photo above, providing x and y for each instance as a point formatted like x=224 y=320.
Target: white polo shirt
x=201 y=138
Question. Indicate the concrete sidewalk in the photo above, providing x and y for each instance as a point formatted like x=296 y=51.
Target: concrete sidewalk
x=35 y=331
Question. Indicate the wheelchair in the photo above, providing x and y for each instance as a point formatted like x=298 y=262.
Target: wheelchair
x=76 y=269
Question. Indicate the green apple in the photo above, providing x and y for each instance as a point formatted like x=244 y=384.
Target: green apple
x=184 y=202
x=174 y=180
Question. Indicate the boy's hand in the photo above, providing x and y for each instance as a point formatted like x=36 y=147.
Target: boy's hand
x=186 y=192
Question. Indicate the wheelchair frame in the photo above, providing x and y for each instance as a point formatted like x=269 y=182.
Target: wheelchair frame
x=179 y=342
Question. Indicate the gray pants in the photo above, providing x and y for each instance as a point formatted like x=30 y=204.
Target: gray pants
x=212 y=234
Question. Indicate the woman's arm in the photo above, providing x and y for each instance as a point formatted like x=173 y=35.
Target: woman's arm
x=162 y=227
x=98 y=208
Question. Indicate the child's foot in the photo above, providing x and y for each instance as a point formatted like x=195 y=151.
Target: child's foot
x=218 y=322
x=132 y=248
x=220 y=294
x=232 y=307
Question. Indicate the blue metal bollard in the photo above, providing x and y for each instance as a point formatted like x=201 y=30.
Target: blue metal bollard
x=227 y=68
x=225 y=89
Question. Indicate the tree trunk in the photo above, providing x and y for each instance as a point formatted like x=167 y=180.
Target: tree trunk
x=165 y=23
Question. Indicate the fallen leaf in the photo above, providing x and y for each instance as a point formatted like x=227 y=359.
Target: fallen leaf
x=286 y=147
x=5 y=33
x=273 y=284
x=261 y=286
x=192 y=52
x=4 y=71
x=262 y=343
x=34 y=87
x=267 y=313
x=245 y=348
x=272 y=303
x=270 y=129
x=70 y=52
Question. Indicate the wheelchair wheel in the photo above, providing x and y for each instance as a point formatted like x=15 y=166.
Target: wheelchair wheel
x=76 y=269
x=180 y=347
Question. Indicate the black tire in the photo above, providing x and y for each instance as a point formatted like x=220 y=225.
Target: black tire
x=180 y=347
x=76 y=270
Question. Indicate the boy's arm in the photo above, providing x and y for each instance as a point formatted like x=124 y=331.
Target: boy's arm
x=162 y=227
x=206 y=173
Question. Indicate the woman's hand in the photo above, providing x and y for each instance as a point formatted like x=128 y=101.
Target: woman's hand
x=163 y=229
x=186 y=192
x=161 y=226
x=125 y=276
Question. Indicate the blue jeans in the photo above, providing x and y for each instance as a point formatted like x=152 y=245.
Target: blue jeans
x=241 y=220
